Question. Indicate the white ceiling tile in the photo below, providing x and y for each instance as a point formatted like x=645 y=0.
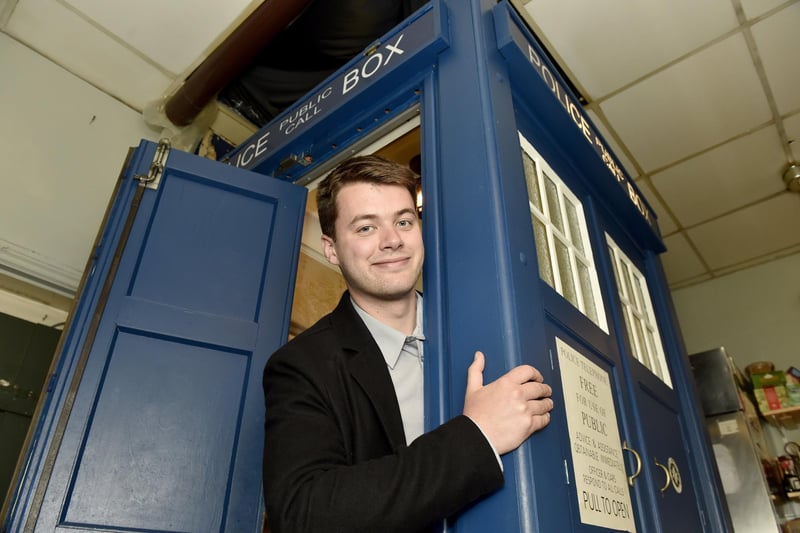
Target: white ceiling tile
x=697 y=103
x=173 y=34
x=784 y=252
x=735 y=174
x=792 y=125
x=680 y=261
x=70 y=41
x=776 y=39
x=749 y=233
x=665 y=221
x=756 y=8
x=608 y=44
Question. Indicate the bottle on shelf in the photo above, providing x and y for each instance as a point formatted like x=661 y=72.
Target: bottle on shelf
x=791 y=481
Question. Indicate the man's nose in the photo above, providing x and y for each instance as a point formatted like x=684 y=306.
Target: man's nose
x=390 y=238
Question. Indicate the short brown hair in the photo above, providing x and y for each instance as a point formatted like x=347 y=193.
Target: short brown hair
x=361 y=169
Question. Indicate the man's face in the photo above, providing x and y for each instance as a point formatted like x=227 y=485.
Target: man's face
x=378 y=244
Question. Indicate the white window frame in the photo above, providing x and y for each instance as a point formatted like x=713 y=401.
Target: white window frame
x=638 y=309
x=583 y=255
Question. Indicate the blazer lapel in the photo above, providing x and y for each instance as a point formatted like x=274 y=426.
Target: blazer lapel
x=368 y=368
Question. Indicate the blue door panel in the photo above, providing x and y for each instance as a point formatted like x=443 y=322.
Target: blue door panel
x=568 y=498
x=165 y=432
x=677 y=503
x=190 y=214
x=160 y=437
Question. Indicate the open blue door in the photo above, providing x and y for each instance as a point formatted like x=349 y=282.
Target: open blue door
x=154 y=420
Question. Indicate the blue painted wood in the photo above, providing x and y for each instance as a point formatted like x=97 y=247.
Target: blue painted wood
x=166 y=429
x=488 y=259
x=494 y=299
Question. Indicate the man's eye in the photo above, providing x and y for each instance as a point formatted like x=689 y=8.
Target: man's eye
x=364 y=229
x=404 y=223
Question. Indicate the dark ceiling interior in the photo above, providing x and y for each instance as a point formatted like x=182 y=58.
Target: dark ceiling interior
x=321 y=39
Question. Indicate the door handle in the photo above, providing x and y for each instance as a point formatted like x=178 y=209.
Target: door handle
x=666 y=473
x=638 y=462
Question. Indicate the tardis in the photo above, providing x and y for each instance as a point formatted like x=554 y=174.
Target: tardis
x=540 y=250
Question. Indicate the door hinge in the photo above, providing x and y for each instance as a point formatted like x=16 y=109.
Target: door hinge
x=156 y=170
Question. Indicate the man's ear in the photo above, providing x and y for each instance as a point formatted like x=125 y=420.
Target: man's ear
x=329 y=250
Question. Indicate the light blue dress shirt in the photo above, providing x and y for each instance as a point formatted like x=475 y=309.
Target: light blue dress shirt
x=405 y=358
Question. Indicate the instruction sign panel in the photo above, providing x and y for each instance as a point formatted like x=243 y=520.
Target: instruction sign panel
x=600 y=477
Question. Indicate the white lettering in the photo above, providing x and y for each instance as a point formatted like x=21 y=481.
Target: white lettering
x=373 y=64
x=638 y=202
x=245 y=158
x=350 y=80
x=533 y=57
x=261 y=144
x=549 y=79
x=583 y=124
x=367 y=74
x=394 y=49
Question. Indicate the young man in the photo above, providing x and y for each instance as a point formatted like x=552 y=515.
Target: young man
x=345 y=449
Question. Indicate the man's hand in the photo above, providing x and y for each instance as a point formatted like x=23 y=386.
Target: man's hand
x=509 y=409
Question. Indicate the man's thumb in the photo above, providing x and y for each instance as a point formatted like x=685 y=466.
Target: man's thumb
x=475 y=373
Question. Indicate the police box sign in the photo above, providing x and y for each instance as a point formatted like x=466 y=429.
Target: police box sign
x=376 y=62
x=572 y=108
x=600 y=477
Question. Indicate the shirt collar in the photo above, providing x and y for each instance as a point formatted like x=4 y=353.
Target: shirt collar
x=389 y=340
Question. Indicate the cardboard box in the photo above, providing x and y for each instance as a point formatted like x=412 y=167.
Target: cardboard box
x=768 y=379
x=771 y=398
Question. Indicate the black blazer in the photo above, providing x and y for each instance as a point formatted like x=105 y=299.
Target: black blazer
x=335 y=456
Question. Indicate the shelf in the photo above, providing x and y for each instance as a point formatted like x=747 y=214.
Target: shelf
x=788 y=417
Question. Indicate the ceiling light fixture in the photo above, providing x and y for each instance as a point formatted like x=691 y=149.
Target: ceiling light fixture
x=791 y=177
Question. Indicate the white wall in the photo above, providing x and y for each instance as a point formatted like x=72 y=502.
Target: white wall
x=753 y=313
x=62 y=145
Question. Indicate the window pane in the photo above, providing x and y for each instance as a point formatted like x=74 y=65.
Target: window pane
x=565 y=271
x=651 y=348
x=640 y=324
x=626 y=281
x=552 y=203
x=574 y=225
x=642 y=354
x=543 y=252
x=585 y=279
x=562 y=246
x=534 y=194
x=637 y=285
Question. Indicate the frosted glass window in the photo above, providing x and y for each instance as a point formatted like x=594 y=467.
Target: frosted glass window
x=554 y=209
x=585 y=278
x=562 y=240
x=543 y=252
x=640 y=321
x=574 y=225
x=534 y=195
x=564 y=269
